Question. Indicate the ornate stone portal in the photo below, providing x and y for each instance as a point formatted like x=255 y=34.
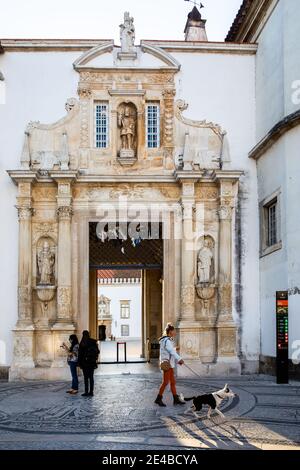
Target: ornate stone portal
x=66 y=181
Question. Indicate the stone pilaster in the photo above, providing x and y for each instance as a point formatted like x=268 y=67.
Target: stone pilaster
x=24 y=330
x=64 y=251
x=188 y=253
x=85 y=94
x=168 y=130
x=64 y=325
x=226 y=327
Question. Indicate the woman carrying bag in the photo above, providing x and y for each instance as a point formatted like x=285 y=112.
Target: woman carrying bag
x=73 y=362
x=167 y=358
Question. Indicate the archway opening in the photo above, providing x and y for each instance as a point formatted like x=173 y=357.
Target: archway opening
x=125 y=295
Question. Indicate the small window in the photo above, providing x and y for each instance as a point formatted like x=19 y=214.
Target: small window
x=124 y=330
x=101 y=125
x=270 y=238
x=125 y=309
x=153 y=126
x=272 y=223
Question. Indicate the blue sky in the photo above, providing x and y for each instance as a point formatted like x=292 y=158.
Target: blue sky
x=154 y=19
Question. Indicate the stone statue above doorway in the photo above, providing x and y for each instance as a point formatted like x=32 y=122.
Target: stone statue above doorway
x=127 y=123
x=127 y=38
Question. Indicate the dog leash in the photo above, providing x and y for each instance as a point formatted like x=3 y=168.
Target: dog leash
x=192 y=370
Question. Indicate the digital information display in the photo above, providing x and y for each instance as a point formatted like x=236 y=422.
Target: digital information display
x=282 y=336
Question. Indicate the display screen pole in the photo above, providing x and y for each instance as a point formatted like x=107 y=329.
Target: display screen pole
x=282 y=337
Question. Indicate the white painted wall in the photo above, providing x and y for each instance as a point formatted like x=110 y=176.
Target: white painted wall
x=278 y=66
x=280 y=168
x=37 y=86
x=116 y=293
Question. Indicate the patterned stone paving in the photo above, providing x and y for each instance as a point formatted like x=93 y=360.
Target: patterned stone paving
x=122 y=415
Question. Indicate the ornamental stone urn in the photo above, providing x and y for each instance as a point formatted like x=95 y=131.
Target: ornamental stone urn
x=206 y=291
x=45 y=294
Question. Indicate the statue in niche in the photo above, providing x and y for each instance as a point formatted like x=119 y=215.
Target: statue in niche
x=127 y=34
x=46 y=262
x=205 y=262
x=127 y=124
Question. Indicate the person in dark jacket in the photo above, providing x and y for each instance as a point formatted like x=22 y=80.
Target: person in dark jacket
x=87 y=361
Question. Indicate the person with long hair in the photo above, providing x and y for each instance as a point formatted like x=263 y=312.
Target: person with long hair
x=72 y=359
x=168 y=358
x=87 y=360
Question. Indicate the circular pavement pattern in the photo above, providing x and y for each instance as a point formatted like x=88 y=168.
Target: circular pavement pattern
x=120 y=404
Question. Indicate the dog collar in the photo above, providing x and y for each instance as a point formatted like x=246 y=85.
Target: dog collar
x=221 y=398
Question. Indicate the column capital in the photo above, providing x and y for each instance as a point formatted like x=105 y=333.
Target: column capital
x=25 y=212
x=188 y=208
x=225 y=212
x=64 y=212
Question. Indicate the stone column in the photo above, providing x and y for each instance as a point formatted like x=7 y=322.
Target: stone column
x=226 y=327
x=188 y=253
x=64 y=321
x=64 y=252
x=24 y=330
x=188 y=327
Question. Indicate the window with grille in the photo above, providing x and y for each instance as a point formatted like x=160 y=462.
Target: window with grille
x=153 y=126
x=101 y=125
x=272 y=223
x=125 y=308
x=124 y=330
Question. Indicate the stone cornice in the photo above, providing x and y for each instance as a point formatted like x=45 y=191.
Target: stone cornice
x=126 y=179
x=22 y=176
x=227 y=175
x=250 y=20
x=29 y=45
x=41 y=45
x=283 y=126
x=206 y=47
x=61 y=176
x=188 y=176
x=70 y=176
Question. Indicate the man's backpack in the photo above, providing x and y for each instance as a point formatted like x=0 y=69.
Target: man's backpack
x=92 y=352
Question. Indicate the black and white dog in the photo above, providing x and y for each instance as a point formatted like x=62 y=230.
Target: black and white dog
x=213 y=400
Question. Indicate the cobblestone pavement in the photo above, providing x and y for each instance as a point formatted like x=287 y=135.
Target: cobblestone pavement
x=122 y=415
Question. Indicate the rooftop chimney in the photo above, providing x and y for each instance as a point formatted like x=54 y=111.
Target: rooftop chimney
x=195 y=27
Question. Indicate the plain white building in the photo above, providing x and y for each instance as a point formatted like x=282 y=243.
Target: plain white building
x=122 y=291
x=276 y=154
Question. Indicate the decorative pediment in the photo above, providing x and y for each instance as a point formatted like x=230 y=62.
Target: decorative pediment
x=107 y=56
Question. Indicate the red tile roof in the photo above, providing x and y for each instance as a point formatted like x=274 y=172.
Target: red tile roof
x=239 y=20
x=119 y=274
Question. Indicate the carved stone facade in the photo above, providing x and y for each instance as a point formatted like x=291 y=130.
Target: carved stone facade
x=66 y=181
